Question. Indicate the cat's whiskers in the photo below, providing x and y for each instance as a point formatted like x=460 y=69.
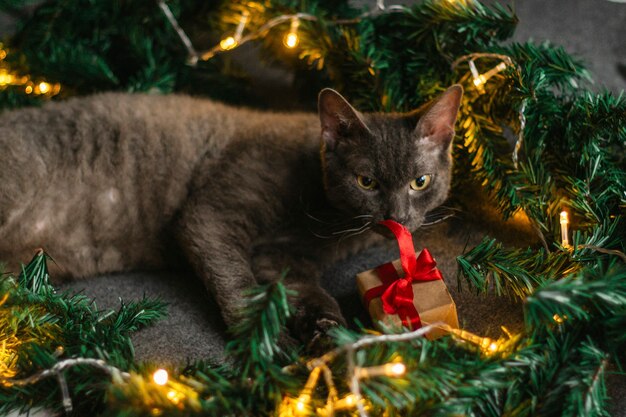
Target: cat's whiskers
x=363 y=229
x=310 y=216
x=437 y=221
x=341 y=232
x=331 y=233
x=440 y=214
x=354 y=232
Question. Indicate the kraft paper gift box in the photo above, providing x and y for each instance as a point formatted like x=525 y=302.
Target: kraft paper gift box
x=408 y=291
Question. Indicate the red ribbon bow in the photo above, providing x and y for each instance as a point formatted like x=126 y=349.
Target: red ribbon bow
x=397 y=292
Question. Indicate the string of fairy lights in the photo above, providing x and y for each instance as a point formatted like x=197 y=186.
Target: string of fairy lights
x=301 y=405
x=183 y=391
x=291 y=39
x=9 y=78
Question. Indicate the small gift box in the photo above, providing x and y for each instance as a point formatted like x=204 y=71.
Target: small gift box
x=408 y=291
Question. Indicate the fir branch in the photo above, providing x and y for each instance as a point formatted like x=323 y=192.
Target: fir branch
x=44 y=328
x=262 y=321
x=591 y=294
x=255 y=350
x=575 y=386
x=511 y=271
x=544 y=66
x=34 y=276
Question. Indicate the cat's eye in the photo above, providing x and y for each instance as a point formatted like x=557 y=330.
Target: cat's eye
x=421 y=183
x=366 y=182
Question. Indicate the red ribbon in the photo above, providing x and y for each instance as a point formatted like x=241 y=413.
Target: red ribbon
x=397 y=292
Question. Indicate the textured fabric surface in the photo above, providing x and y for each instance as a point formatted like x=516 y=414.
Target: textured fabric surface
x=595 y=30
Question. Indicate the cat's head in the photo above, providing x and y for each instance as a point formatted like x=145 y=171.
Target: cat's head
x=389 y=166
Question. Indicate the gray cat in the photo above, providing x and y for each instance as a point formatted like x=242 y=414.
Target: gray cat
x=115 y=182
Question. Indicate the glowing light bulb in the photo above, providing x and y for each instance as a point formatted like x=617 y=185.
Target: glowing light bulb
x=291 y=39
x=231 y=42
x=564 y=220
x=160 y=377
x=395 y=369
x=301 y=405
x=28 y=89
x=480 y=80
x=500 y=67
x=228 y=43
x=43 y=87
x=493 y=347
x=485 y=342
x=5 y=78
x=346 y=403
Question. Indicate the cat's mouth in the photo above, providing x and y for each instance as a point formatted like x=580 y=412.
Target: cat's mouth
x=384 y=231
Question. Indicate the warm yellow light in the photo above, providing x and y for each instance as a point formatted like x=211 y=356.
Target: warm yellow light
x=485 y=342
x=489 y=345
x=303 y=400
x=174 y=396
x=44 y=87
x=3 y=54
x=291 y=40
x=564 y=220
x=28 y=89
x=228 y=43
x=5 y=78
x=345 y=403
x=231 y=42
x=558 y=319
x=160 y=377
x=395 y=369
x=480 y=80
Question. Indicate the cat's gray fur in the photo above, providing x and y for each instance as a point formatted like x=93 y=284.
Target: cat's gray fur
x=109 y=183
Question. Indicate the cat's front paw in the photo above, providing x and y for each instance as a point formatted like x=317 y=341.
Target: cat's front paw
x=321 y=341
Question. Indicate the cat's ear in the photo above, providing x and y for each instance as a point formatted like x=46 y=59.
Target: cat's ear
x=339 y=119
x=436 y=124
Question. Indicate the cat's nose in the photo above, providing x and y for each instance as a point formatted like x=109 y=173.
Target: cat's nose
x=398 y=218
x=398 y=209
